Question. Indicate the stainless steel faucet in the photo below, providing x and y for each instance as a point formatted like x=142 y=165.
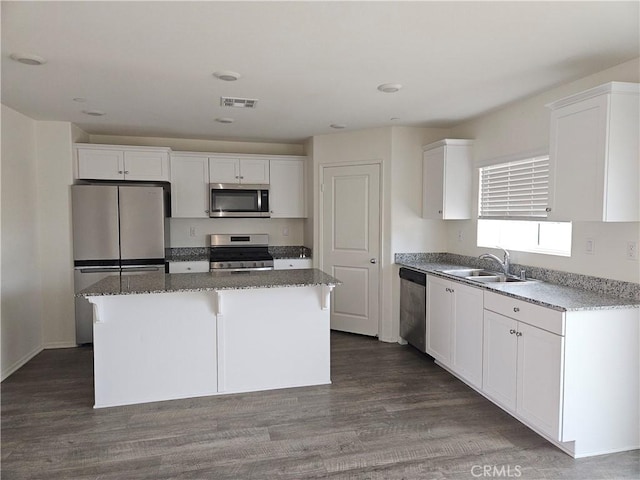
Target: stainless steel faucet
x=504 y=264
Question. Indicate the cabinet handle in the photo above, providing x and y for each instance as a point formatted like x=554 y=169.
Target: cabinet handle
x=206 y=211
x=547 y=209
x=518 y=334
x=237 y=176
x=512 y=331
x=126 y=172
x=516 y=309
x=119 y=171
x=440 y=211
x=241 y=177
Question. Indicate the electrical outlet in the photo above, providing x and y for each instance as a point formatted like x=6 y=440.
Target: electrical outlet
x=632 y=250
x=459 y=235
x=285 y=231
x=590 y=246
x=192 y=231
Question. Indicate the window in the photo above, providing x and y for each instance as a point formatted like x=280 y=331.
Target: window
x=512 y=210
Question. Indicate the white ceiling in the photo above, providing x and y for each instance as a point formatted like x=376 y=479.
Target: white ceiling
x=149 y=65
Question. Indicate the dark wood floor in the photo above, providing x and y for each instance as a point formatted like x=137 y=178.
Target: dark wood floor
x=389 y=414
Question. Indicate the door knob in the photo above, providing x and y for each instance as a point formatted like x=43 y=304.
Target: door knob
x=373 y=260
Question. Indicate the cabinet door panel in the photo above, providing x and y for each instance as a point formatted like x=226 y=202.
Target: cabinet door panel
x=224 y=170
x=433 y=187
x=254 y=171
x=146 y=166
x=540 y=367
x=439 y=309
x=466 y=357
x=578 y=145
x=101 y=164
x=189 y=187
x=286 y=189
x=499 y=359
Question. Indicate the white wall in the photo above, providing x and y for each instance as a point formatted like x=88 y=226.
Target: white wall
x=21 y=323
x=399 y=152
x=523 y=127
x=54 y=142
x=275 y=227
x=409 y=231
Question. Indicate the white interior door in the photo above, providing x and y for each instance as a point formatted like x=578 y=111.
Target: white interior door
x=351 y=245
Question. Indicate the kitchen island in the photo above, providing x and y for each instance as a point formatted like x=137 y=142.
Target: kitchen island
x=169 y=336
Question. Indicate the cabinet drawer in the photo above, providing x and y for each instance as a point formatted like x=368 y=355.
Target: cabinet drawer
x=535 y=315
x=188 y=267
x=291 y=263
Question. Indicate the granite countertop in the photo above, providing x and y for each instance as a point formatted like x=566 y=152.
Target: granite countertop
x=541 y=293
x=195 y=254
x=196 y=282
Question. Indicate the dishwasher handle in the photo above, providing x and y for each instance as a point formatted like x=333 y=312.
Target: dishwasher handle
x=413 y=276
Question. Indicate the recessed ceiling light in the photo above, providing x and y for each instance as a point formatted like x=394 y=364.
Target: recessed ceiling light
x=80 y=99
x=94 y=113
x=225 y=120
x=28 y=58
x=393 y=119
x=227 y=76
x=389 y=87
x=338 y=126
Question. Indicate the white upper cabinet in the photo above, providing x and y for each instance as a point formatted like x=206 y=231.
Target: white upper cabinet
x=594 y=155
x=447 y=174
x=227 y=169
x=286 y=190
x=189 y=185
x=116 y=162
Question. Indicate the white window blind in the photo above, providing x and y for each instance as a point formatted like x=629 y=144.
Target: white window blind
x=515 y=190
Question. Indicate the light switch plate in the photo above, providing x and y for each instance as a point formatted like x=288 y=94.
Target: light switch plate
x=590 y=246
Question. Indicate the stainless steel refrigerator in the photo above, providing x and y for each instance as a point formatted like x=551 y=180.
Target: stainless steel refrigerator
x=117 y=230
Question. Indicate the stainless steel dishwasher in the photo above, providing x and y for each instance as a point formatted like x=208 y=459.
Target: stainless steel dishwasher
x=413 y=305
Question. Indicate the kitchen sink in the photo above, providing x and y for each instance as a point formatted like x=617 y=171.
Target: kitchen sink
x=470 y=272
x=483 y=276
x=496 y=279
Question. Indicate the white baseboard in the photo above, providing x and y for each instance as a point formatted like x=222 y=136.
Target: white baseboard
x=52 y=345
x=20 y=362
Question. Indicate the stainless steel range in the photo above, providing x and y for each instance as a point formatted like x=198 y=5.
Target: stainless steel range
x=239 y=253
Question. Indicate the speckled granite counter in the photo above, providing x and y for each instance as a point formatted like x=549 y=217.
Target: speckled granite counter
x=193 y=254
x=541 y=293
x=196 y=282
x=187 y=254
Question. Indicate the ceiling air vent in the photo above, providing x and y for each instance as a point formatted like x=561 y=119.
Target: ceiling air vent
x=238 y=102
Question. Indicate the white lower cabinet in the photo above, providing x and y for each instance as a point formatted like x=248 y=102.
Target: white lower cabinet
x=291 y=263
x=572 y=376
x=454 y=327
x=439 y=313
x=197 y=266
x=522 y=370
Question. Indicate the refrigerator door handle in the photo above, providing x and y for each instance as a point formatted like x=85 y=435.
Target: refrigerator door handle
x=100 y=270
x=140 y=269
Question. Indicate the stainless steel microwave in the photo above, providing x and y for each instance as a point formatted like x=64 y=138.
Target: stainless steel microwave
x=238 y=200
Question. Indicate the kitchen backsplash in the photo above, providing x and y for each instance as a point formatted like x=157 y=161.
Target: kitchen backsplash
x=603 y=286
